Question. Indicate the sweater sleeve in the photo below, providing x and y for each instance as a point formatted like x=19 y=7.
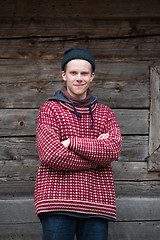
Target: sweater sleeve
x=101 y=152
x=51 y=151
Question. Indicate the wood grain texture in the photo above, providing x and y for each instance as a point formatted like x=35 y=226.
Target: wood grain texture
x=133 y=171
x=65 y=28
x=28 y=83
x=154 y=136
x=134 y=230
x=154 y=130
x=50 y=48
x=154 y=161
x=109 y=8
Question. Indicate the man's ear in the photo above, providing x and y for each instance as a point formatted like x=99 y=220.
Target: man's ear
x=92 y=76
x=64 y=75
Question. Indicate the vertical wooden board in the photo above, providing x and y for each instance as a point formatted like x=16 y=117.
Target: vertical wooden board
x=154 y=130
x=154 y=161
x=154 y=134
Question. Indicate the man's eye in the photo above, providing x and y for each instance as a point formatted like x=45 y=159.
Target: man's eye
x=73 y=73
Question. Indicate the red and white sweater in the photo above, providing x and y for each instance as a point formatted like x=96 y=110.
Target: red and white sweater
x=79 y=178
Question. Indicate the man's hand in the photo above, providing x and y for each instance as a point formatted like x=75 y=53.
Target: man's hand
x=66 y=142
x=103 y=136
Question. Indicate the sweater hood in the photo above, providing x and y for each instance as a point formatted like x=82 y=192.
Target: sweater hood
x=58 y=96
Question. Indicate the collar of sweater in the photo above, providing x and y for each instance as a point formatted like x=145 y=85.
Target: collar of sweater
x=81 y=110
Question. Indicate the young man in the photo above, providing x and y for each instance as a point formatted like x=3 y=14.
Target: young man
x=77 y=139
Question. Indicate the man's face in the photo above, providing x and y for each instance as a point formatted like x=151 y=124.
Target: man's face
x=78 y=76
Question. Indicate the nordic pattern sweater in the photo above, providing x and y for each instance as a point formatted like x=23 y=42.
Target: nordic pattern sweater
x=79 y=178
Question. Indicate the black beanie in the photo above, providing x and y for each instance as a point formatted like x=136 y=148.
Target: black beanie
x=78 y=53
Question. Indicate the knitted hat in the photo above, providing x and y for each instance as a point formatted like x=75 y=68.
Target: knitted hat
x=78 y=53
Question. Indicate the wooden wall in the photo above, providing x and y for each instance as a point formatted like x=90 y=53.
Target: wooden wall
x=124 y=37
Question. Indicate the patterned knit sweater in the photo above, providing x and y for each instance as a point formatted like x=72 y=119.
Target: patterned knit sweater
x=79 y=178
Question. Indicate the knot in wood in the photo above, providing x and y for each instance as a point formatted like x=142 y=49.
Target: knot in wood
x=21 y=123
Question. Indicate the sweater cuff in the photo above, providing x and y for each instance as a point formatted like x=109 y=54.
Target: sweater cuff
x=72 y=145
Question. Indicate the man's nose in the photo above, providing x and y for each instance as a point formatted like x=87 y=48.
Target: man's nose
x=79 y=77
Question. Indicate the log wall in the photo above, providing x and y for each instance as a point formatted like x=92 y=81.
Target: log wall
x=124 y=38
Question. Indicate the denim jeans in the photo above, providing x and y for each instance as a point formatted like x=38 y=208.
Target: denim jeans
x=63 y=227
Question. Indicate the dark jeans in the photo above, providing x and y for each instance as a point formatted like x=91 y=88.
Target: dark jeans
x=63 y=227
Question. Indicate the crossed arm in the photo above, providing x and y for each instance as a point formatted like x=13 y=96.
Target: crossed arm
x=74 y=154
x=66 y=142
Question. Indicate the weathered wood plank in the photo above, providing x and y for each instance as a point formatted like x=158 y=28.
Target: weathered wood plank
x=134 y=148
x=134 y=230
x=26 y=170
x=12 y=190
x=18 y=71
x=117 y=230
x=141 y=48
x=154 y=161
x=64 y=27
x=105 y=27
x=132 y=121
x=29 y=71
x=18 y=122
x=18 y=170
x=28 y=84
x=110 y=9
x=18 y=149
x=16 y=190
x=29 y=231
x=128 y=209
x=154 y=133
x=133 y=171
x=138 y=209
x=142 y=189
